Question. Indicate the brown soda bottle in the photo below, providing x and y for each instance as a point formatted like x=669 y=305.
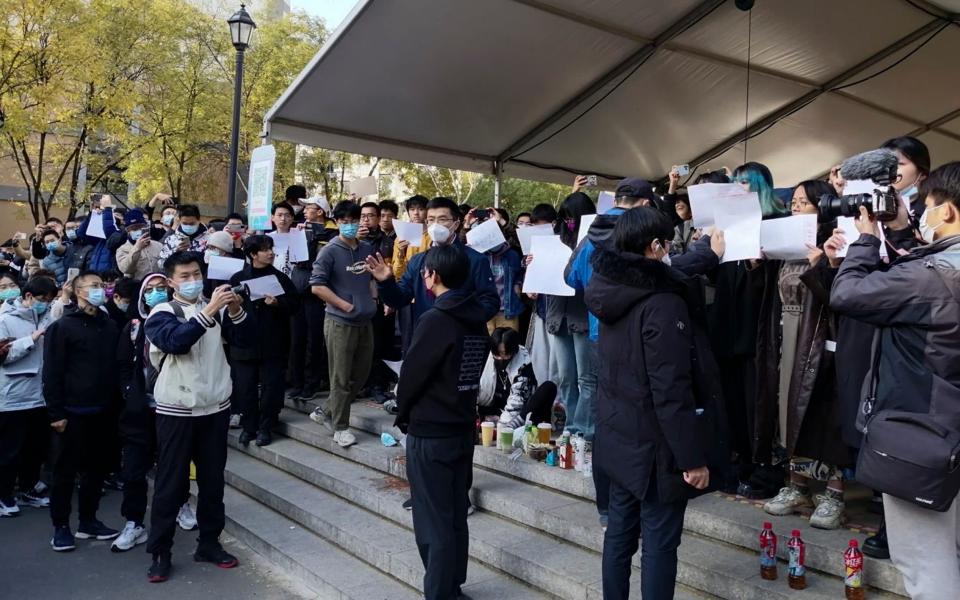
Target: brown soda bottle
x=853 y=572
x=768 y=552
x=797 y=570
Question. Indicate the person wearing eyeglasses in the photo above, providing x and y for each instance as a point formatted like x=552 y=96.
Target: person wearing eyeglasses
x=78 y=375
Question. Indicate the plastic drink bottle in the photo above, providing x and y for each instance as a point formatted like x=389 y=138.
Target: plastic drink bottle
x=797 y=570
x=768 y=552
x=579 y=447
x=853 y=572
x=565 y=450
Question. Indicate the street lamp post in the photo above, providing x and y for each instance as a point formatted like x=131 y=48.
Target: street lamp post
x=241 y=28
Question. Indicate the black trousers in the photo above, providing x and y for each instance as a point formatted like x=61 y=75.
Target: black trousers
x=384 y=347
x=24 y=441
x=83 y=447
x=259 y=389
x=180 y=440
x=440 y=471
x=662 y=526
x=308 y=351
x=139 y=451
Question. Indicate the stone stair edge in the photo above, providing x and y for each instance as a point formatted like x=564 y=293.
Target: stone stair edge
x=261 y=534
x=696 y=568
x=702 y=517
x=392 y=550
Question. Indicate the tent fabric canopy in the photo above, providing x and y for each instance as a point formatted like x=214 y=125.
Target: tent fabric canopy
x=542 y=89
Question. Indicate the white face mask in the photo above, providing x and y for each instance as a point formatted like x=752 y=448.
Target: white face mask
x=438 y=233
x=665 y=259
x=926 y=231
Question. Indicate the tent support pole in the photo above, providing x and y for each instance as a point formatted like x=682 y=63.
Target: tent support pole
x=497 y=180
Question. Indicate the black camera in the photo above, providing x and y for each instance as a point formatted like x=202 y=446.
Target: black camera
x=882 y=204
x=241 y=289
x=876 y=166
x=481 y=214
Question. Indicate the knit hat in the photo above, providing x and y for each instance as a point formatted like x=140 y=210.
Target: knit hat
x=221 y=240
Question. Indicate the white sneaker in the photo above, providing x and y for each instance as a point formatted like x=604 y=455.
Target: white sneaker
x=186 y=519
x=829 y=513
x=235 y=421
x=9 y=508
x=320 y=417
x=132 y=535
x=31 y=499
x=787 y=502
x=344 y=438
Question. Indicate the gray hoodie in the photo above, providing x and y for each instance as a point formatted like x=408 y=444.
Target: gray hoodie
x=341 y=268
x=20 y=381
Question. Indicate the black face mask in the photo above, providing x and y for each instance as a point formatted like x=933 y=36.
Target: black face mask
x=501 y=364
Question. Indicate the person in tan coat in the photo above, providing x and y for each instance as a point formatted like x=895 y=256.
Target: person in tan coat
x=138 y=256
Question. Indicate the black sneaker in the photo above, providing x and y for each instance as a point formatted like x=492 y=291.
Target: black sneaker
x=245 y=438
x=62 y=540
x=264 y=438
x=96 y=530
x=216 y=555
x=159 y=571
x=113 y=483
x=296 y=394
x=408 y=504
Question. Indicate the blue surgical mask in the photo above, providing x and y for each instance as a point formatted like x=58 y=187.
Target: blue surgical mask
x=123 y=306
x=190 y=289
x=96 y=296
x=167 y=220
x=40 y=307
x=910 y=192
x=136 y=234
x=52 y=246
x=349 y=230
x=190 y=229
x=9 y=294
x=155 y=296
x=71 y=234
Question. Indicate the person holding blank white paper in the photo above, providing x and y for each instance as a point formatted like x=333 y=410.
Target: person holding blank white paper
x=259 y=368
x=742 y=339
x=809 y=427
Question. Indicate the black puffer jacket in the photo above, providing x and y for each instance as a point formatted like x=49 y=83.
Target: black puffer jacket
x=647 y=422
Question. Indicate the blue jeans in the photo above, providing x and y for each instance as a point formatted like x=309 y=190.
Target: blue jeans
x=662 y=526
x=575 y=355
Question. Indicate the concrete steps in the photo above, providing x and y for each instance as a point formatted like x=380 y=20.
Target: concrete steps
x=335 y=498
x=323 y=567
x=559 y=503
x=381 y=544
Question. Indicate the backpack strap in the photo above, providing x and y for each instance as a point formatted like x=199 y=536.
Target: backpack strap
x=182 y=317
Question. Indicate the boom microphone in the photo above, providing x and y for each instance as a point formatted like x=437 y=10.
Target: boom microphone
x=878 y=166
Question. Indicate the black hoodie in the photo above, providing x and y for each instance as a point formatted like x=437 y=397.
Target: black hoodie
x=440 y=377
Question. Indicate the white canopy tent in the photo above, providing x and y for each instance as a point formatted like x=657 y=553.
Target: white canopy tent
x=541 y=89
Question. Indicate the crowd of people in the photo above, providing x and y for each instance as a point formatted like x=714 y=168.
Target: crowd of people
x=684 y=372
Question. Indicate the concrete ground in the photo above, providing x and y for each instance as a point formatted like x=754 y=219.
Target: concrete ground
x=31 y=569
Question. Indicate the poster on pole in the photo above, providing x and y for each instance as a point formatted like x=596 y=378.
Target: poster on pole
x=260 y=194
